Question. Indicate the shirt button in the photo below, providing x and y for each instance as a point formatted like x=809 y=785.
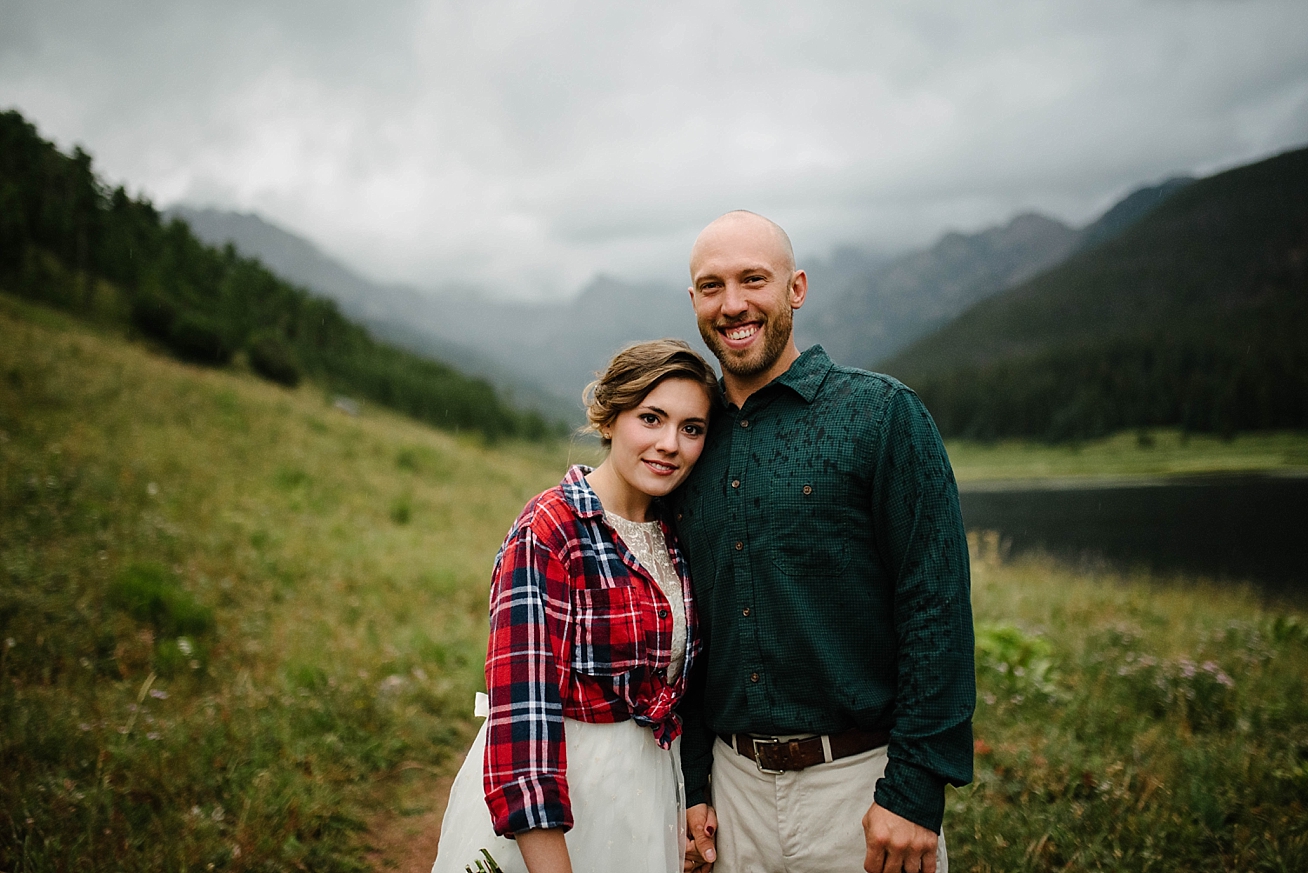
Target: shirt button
x=663 y=613
x=735 y=483
x=678 y=516
x=745 y=423
x=739 y=545
x=745 y=612
x=808 y=489
x=753 y=677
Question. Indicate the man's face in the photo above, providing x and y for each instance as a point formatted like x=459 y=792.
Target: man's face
x=743 y=290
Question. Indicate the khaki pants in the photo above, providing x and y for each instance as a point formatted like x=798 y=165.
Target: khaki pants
x=805 y=821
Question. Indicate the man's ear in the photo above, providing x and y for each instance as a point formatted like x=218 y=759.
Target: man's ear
x=798 y=289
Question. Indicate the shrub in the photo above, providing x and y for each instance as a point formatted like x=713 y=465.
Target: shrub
x=150 y=594
x=198 y=339
x=271 y=358
x=154 y=315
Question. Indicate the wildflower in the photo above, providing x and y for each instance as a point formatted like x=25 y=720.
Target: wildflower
x=152 y=735
x=10 y=642
x=184 y=646
x=152 y=489
x=158 y=694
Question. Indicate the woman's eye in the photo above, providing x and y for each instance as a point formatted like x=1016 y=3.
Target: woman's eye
x=649 y=418
x=694 y=430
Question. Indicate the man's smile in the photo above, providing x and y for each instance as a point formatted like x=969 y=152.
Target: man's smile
x=740 y=334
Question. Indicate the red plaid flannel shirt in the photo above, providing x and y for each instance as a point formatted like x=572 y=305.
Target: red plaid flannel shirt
x=579 y=629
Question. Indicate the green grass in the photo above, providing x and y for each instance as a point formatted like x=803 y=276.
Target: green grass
x=228 y=611
x=1132 y=723
x=1144 y=453
x=235 y=623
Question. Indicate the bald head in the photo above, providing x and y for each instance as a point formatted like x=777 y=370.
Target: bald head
x=744 y=229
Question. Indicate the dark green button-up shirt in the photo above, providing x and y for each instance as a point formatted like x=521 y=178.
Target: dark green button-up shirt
x=830 y=566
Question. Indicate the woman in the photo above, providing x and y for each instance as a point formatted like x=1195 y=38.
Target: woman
x=592 y=634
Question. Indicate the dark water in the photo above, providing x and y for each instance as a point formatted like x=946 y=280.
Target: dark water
x=1251 y=528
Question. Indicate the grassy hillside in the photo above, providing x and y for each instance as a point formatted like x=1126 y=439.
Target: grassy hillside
x=227 y=610
x=69 y=241
x=236 y=622
x=1196 y=316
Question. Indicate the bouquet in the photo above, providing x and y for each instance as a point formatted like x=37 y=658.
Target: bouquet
x=489 y=867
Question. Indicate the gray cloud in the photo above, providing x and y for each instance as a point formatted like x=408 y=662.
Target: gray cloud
x=525 y=146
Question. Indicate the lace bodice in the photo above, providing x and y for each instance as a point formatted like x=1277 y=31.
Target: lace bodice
x=645 y=539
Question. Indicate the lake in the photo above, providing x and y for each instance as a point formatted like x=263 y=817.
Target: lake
x=1245 y=527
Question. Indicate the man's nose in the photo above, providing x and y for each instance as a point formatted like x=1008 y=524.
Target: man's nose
x=733 y=299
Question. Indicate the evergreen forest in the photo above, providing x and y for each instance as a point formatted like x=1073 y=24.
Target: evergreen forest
x=1195 y=317
x=69 y=241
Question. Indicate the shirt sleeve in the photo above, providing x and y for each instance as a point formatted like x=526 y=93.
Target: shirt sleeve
x=526 y=762
x=696 y=736
x=920 y=535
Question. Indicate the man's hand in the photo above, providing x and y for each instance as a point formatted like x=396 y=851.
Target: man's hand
x=701 y=826
x=897 y=845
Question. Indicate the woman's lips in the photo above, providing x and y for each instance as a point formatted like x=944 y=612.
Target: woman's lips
x=659 y=467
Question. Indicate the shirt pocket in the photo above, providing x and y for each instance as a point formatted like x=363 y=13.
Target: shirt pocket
x=808 y=517
x=608 y=634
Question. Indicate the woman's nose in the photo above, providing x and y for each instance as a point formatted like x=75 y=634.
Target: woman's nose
x=667 y=441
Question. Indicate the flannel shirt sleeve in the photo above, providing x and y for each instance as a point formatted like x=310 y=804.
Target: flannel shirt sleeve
x=526 y=763
x=920 y=532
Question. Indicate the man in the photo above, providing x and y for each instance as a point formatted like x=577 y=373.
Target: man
x=834 y=698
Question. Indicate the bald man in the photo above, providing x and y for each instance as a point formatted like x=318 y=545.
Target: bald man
x=834 y=698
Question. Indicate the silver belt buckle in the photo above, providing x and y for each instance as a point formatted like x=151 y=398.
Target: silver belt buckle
x=758 y=759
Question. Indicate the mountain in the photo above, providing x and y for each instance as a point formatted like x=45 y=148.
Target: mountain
x=862 y=306
x=1195 y=315
x=1129 y=210
x=398 y=313
x=865 y=315
x=69 y=241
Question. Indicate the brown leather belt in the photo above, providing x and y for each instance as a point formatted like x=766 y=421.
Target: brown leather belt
x=777 y=756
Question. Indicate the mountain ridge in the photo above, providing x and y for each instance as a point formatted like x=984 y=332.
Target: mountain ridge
x=1195 y=315
x=863 y=307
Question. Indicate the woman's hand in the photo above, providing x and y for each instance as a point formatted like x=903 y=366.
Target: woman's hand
x=544 y=850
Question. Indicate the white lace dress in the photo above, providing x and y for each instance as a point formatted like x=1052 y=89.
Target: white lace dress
x=627 y=794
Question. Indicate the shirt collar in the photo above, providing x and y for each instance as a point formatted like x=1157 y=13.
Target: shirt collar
x=578 y=493
x=804 y=377
x=807 y=373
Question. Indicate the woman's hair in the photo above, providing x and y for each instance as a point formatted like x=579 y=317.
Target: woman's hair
x=635 y=371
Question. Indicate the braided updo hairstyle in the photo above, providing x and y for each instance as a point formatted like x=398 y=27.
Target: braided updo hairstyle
x=635 y=371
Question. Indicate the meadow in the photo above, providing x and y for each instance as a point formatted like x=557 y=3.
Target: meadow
x=239 y=625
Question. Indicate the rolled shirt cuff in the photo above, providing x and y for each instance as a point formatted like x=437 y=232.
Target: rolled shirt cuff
x=529 y=803
x=912 y=793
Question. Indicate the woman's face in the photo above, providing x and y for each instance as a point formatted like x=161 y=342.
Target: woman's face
x=655 y=444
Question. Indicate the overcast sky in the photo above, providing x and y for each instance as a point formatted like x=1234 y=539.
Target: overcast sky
x=523 y=147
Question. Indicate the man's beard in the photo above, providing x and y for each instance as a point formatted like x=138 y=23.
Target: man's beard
x=757 y=359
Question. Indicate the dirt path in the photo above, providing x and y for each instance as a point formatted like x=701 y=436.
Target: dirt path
x=404 y=837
